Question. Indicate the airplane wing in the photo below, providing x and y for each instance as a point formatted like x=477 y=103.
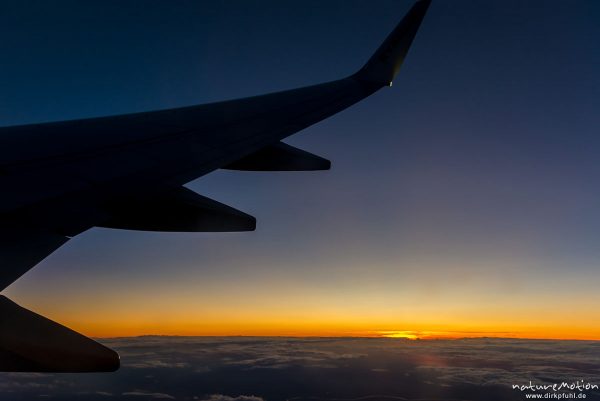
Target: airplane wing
x=21 y=249
x=128 y=171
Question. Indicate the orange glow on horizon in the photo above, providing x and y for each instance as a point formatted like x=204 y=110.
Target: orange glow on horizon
x=102 y=330
x=123 y=318
x=360 y=307
x=422 y=336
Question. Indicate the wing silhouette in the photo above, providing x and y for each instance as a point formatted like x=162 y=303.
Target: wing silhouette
x=128 y=171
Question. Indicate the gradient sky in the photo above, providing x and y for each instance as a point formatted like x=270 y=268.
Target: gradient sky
x=464 y=200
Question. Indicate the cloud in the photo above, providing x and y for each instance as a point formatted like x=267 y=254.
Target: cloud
x=258 y=369
x=161 y=396
x=152 y=364
x=221 y=397
x=476 y=376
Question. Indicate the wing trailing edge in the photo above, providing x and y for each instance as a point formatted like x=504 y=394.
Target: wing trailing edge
x=32 y=343
x=23 y=247
x=280 y=157
x=180 y=210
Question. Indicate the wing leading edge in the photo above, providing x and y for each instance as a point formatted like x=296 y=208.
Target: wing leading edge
x=127 y=171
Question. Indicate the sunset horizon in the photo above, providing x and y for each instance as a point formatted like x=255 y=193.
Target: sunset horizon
x=230 y=201
x=411 y=336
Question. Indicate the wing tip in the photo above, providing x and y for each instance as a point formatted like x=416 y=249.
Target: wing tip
x=385 y=63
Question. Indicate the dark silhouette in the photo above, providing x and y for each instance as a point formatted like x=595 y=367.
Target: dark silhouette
x=126 y=172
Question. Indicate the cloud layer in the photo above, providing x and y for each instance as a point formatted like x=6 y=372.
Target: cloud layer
x=302 y=369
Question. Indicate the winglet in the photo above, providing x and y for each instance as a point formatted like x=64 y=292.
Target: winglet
x=383 y=66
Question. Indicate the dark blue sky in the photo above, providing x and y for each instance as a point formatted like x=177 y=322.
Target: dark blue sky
x=468 y=192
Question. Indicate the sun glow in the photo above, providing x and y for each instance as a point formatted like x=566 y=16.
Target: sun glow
x=437 y=335
x=409 y=335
